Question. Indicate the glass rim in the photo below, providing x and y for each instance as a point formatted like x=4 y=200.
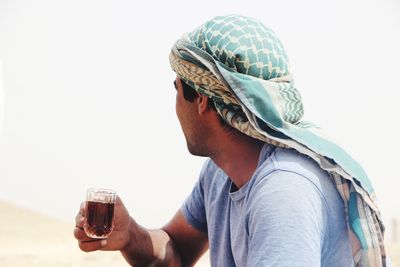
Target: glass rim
x=101 y=190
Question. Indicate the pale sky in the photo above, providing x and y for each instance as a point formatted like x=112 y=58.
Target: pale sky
x=89 y=100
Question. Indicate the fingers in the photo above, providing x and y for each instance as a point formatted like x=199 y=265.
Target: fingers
x=80 y=234
x=92 y=245
x=80 y=217
x=85 y=243
x=82 y=208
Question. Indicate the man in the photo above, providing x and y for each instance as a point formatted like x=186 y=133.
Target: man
x=274 y=191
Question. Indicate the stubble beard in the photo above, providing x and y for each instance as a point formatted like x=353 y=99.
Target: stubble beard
x=197 y=149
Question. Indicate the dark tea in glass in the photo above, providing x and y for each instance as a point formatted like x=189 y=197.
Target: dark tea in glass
x=99 y=221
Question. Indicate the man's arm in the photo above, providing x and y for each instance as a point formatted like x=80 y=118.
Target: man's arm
x=178 y=244
x=190 y=242
x=150 y=248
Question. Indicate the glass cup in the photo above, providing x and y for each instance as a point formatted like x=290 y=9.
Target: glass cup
x=99 y=218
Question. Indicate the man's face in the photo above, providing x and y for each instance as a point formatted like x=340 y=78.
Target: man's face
x=188 y=117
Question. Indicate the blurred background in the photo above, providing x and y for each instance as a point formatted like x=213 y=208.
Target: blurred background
x=86 y=100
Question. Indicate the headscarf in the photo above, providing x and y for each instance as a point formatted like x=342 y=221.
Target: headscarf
x=242 y=66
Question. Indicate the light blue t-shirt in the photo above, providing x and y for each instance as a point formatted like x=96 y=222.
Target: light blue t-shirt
x=288 y=214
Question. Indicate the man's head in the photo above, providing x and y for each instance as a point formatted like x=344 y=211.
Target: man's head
x=201 y=124
x=196 y=117
x=241 y=65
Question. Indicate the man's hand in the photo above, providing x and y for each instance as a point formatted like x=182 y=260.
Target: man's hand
x=176 y=245
x=119 y=237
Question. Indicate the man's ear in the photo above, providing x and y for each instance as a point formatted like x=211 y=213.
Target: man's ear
x=202 y=103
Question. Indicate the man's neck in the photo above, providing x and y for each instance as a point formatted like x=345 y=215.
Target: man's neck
x=238 y=158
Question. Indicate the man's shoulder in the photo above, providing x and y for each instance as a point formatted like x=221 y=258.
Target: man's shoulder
x=287 y=168
x=291 y=181
x=290 y=172
x=289 y=160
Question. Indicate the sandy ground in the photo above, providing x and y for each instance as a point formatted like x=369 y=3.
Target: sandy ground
x=28 y=239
